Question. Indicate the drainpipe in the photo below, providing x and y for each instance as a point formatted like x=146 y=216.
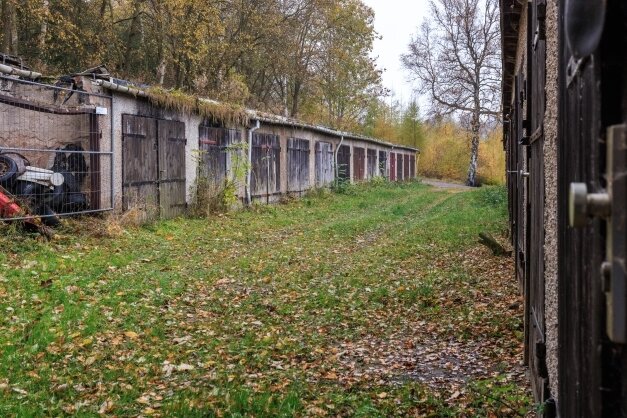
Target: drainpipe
x=337 y=172
x=5 y=69
x=250 y=160
x=389 y=165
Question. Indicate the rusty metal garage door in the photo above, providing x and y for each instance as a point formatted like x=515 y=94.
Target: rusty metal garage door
x=153 y=166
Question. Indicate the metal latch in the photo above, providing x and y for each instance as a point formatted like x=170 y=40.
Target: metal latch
x=521 y=173
x=612 y=206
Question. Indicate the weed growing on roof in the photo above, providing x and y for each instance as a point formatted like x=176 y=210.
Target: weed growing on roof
x=179 y=101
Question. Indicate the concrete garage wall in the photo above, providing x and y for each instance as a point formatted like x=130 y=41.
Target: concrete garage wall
x=42 y=121
x=287 y=132
x=128 y=105
x=551 y=199
x=550 y=175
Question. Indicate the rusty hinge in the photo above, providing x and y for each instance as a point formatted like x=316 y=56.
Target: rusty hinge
x=610 y=205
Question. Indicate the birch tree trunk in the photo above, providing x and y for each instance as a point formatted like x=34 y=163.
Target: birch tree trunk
x=43 y=29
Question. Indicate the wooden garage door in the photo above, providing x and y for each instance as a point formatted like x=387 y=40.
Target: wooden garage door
x=324 y=164
x=344 y=163
x=372 y=163
x=359 y=163
x=383 y=163
x=213 y=143
x=592 y=149
x=297 y=165
x=266 y=166
x=172 y=191
x=153 y=166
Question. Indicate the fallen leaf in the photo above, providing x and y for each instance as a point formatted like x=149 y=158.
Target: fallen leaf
x=106 y=407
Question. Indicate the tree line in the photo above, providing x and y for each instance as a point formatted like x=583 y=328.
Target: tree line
x=309 y=59
x=300 y=58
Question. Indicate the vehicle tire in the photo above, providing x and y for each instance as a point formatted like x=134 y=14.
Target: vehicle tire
x=8 y=170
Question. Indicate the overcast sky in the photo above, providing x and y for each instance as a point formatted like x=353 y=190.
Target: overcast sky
x=396 y=21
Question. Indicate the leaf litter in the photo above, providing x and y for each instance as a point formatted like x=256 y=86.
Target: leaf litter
x=388 y=307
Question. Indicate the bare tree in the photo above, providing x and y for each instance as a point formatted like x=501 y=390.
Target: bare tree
x=456 y=60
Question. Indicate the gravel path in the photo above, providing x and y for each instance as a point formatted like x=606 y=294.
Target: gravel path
x=445 y=185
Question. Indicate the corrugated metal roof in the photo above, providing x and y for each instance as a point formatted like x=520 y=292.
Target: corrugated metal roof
x=269 y=118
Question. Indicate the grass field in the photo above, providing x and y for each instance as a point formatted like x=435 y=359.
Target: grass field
x=373 y=302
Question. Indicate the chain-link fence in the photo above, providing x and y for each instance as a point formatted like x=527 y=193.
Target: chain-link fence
x=56 y=150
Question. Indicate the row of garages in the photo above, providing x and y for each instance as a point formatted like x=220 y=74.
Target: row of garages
x=139 y=155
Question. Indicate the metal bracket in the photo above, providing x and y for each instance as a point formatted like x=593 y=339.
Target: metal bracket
x=574 y=67
x=615 y=273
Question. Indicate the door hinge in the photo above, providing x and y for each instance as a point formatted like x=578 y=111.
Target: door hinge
x=613 y=271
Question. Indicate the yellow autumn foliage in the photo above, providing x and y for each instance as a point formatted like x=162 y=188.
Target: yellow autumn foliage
x=445 y=154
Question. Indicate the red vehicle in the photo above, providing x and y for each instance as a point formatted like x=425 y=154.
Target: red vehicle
x=8 y=208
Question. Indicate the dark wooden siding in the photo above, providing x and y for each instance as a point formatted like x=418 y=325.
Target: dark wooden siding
x=324 y=164
x=297 y=165
x=265 y=178
x=406 y=170
x=399 y=167
x=359 y=163
x=592 y=97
